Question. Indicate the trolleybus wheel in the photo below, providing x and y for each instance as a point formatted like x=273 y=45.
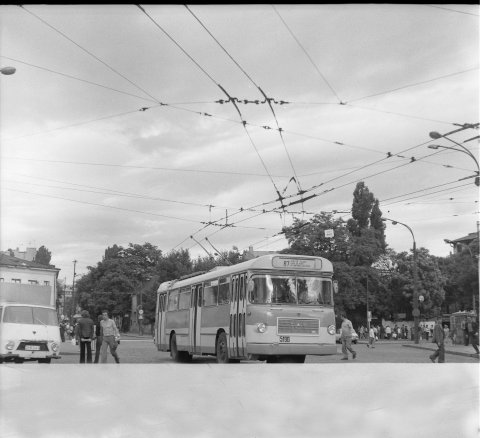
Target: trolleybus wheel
x=178 y=356
x=173 y=349
x=221 y=348
x=45 y=360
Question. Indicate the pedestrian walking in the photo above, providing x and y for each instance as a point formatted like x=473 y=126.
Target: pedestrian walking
x=111 y=337
x=371 y=337
x=346 y=337
x=388 y=332
x=472 y=330
x=99 y=336
x=439 y=339
x=62 y=330
x=84 y=335
x=446 y=333
x=361 y=331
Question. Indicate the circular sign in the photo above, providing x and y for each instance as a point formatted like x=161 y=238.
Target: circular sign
x=140 y=312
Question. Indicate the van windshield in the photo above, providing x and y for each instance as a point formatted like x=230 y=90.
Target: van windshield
x=30 y=315
x=303 y=291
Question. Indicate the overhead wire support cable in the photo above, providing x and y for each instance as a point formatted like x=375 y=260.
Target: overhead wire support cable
x=307 y=54
x=88 y=52
x=150 y=99
x=412 y=85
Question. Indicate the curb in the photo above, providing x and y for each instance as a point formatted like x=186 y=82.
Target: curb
x=458 y=353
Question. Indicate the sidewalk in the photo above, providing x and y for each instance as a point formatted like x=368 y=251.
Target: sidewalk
x=460 y=350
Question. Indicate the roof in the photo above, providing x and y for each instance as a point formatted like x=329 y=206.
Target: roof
x=470 y=237
x=15 y=262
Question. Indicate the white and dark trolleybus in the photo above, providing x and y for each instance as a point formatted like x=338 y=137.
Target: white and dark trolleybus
x=277 y=308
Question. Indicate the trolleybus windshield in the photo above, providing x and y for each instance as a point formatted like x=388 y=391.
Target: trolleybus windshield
x=280 y=289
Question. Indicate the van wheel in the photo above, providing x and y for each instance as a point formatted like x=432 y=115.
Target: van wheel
x=46 y=360
x=18 y=360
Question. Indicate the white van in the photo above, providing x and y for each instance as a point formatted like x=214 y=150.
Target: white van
x=28 y=332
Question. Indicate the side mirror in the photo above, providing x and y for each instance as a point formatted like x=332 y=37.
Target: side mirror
x=335 y=286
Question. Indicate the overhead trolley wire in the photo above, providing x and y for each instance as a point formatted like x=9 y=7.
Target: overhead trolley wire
x=451 y=10
x=267 y=99
x=221 y=88
x=131 y=166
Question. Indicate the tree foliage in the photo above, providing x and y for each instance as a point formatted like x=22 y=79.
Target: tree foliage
x=43 y=256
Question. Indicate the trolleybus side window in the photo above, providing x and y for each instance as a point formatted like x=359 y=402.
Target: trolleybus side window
x=223 y=291
x=173 y=300
x=184 y=299
x=210 y=294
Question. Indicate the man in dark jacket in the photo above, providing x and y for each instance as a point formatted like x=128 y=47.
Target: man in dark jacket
x=84 y=334
x=472 y=331
x=439 y=339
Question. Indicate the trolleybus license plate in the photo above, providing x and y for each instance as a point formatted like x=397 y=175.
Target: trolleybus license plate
x=284 y=339
x=32 y=347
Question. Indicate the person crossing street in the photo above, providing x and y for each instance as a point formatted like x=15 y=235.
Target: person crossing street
x=346 y=336
x=111 y=336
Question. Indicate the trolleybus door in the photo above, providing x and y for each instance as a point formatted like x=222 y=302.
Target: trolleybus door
x=241 y=314
x=237 y=346
x=160 y=335
x=196 y=319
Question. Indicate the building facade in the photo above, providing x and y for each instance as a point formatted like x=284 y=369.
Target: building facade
x=26 y=280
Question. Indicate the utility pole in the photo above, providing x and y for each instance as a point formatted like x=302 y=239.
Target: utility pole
x=73 y=288
x=64 y=293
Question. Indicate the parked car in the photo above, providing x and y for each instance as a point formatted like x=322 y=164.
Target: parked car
x=354 y=337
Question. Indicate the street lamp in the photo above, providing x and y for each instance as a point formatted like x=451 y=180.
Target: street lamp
x=8 y=70
x=436 y=135
x=416 y=311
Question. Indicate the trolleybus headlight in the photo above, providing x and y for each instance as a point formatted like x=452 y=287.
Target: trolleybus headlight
x=261 y=327
x=10 y=345
x=54 y=347
x=331 y=329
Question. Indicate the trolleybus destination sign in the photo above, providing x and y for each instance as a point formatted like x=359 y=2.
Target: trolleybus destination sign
x=286 y=262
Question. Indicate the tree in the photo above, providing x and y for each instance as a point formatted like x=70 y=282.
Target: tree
x=431 y=283
x=123 y=272
x=366 y=227
x=308 y=237
x=461 y=272
x=43 y=256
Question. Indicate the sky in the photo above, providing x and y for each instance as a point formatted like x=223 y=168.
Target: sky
x=165 y=123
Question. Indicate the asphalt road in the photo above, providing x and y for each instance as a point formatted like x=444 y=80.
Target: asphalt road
x=143 y=351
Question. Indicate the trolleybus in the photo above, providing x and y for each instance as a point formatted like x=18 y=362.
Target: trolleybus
x=277 y=308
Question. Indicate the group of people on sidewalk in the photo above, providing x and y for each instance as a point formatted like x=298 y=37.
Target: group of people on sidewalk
x=439 y=337
x=105 y=334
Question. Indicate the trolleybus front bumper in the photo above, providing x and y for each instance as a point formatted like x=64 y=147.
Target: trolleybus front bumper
x=274 y=349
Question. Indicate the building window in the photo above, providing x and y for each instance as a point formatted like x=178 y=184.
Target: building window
x=16 y=280
x=2 y=280
x=46 y=283
x=33 y=281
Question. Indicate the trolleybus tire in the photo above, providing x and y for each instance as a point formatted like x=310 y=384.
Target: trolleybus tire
x=174 y=349
x=178 y=356
x=221 y=348
x=45 y=360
